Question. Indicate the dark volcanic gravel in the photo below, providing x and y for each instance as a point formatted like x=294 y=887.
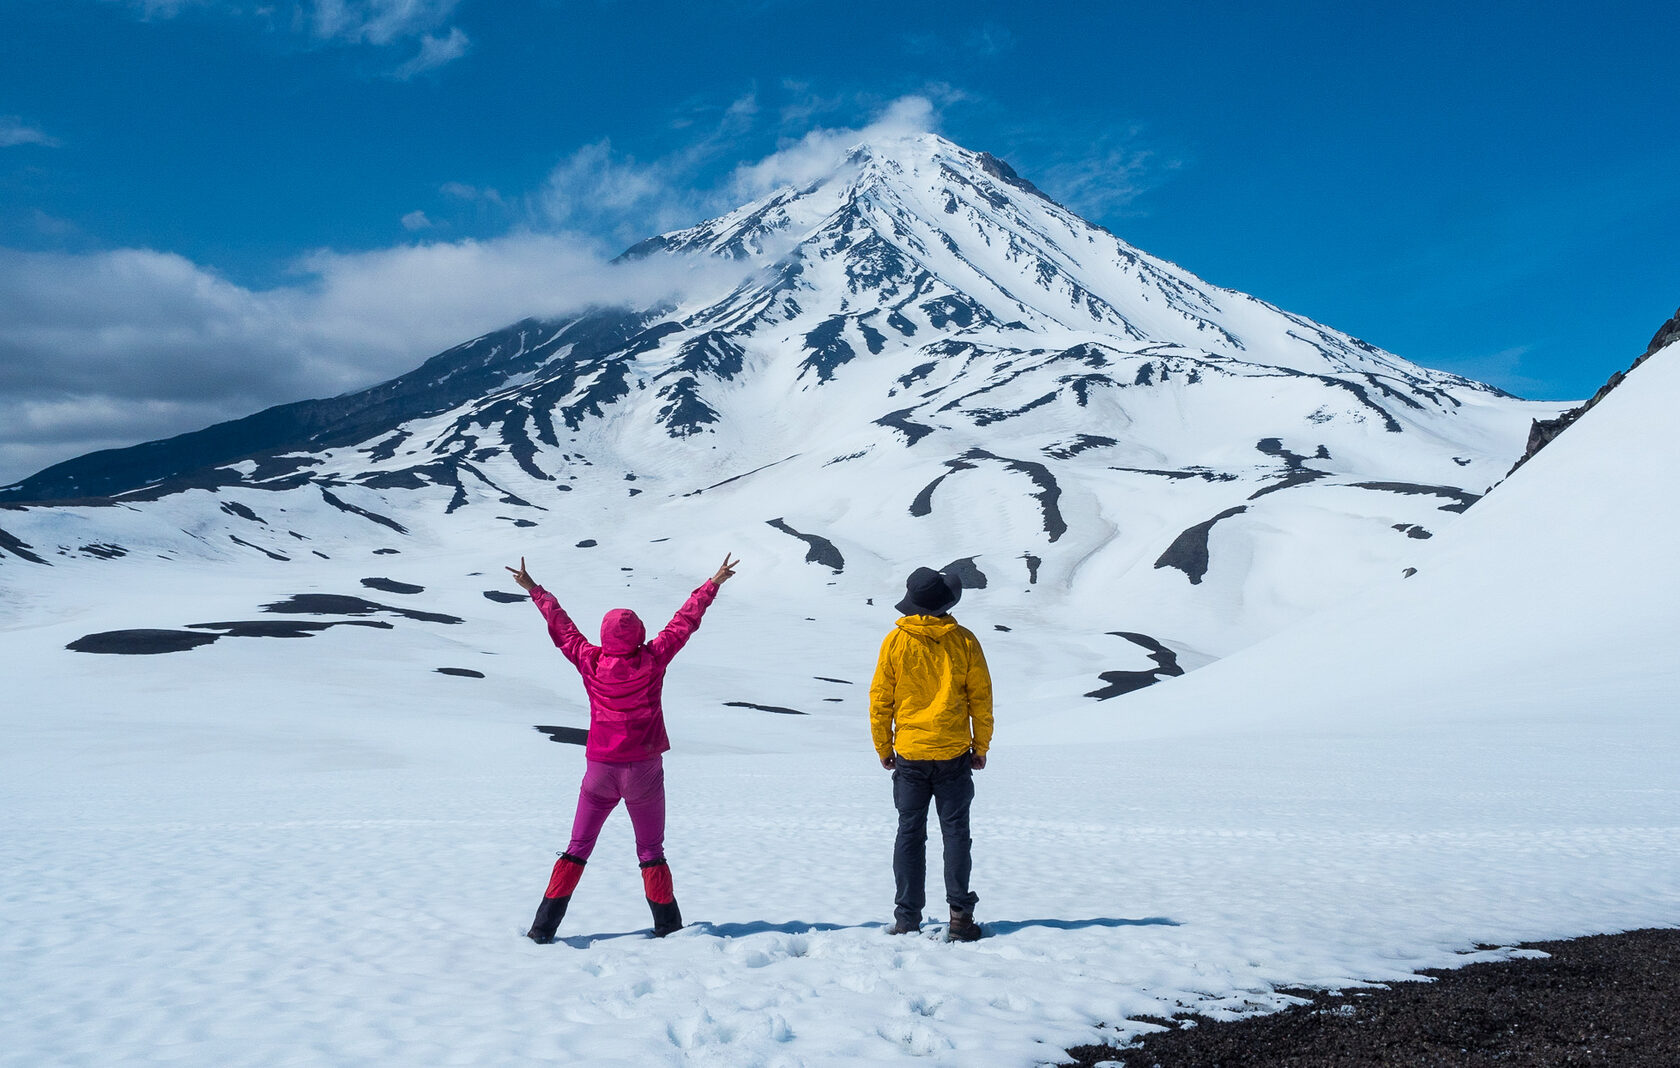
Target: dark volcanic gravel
x=1607 y=1000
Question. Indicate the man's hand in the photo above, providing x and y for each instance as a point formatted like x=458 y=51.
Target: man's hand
x=726 y=572
x=888 y=762
x=977 y=761
x=522 y=576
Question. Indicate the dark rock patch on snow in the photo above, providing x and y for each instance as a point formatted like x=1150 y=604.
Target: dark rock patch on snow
x=106 y=551
x=504 y=597
x=385 y=585
x=778 y=709
x=1124 y=682
x=9 y=543
x=567 y=735
x=234 y=508
x=820 y=550
x=1412 y=530
x=825 y=678
x=1189 y=551
x=140 y=642
x=1461 y=499
x=284 y=628
x=900 y=421
x=971 y=577
x=337 y=604
x=465 y=673
x=345 y=506
x=1067 y=450
x=266 y=552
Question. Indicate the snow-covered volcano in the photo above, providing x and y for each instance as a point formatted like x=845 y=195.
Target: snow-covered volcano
x=919 y=358
x=312 y=826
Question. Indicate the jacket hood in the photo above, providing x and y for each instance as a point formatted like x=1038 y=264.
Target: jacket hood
x=622 y=632
x=931 y=627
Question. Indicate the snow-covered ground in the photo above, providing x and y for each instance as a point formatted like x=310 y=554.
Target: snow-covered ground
x=319 y=850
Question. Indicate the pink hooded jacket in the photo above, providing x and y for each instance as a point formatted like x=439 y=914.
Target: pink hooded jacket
x=624 y=676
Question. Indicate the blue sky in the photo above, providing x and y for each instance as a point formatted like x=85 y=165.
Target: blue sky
x=208 y=206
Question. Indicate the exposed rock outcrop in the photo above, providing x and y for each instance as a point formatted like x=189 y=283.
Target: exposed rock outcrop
x=1544 y=430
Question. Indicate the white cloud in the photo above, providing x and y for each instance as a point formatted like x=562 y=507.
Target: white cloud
x=378 y=22
x=434 y=52
x=375 y=23
x=111 y=348
x=809 y=157
x=14 y=131
x=470 y=193
x=416 y=220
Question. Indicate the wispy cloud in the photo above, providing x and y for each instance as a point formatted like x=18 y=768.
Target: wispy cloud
x=416 y=220
x=1097 y=173
x=14 y=131
x=378 y=22
x=977 y=42
x=434 y=53
x=382 y=24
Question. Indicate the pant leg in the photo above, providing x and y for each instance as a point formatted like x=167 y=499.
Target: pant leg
x=644 y=796
x=597 y=797
x=912 y=789
x=953 y=794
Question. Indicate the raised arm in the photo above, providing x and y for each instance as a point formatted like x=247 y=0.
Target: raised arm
x=561 y=630
x=669 y=642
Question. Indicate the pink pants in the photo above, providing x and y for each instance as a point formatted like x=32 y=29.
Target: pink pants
x=640 y=784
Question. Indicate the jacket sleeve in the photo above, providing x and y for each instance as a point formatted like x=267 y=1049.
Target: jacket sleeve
x=669 y=642
x=561 y=629
x=883 y=699
x=979 y=697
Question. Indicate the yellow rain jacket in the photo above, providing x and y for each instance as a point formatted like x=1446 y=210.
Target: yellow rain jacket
x=932 y=695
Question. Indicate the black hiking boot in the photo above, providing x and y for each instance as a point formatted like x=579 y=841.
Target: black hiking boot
x=567 y=870
x=963 y=928
x=904 y=927
x=661 y=897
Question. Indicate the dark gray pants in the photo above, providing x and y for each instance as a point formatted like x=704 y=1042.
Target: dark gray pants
x=949 y=784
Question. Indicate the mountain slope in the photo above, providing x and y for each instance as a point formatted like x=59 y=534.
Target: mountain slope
x=923 y=358
x=1561 y=585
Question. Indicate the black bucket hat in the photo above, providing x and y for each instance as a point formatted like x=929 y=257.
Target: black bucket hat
x=929 y=593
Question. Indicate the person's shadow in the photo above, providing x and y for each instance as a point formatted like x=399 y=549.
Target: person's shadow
x=993 y=928
x=1006 y=927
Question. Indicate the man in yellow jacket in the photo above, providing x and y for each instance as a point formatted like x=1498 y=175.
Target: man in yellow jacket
x=930 y=712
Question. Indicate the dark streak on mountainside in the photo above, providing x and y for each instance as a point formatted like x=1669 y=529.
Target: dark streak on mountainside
x=1124 y=682
x=820 y=550
x=1461 y=499
x=18 y=548
x=345 y=506
x=1189 y=551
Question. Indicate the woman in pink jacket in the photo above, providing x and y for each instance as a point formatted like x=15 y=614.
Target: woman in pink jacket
x=623 y=676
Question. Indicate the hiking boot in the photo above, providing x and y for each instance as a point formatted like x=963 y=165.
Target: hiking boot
x=567 y=871
x=903 y=927
x=963 y=928
x=661 y=897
